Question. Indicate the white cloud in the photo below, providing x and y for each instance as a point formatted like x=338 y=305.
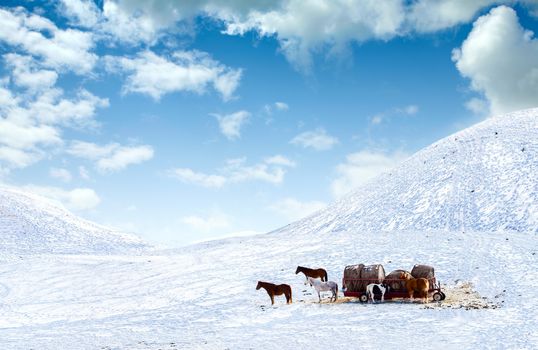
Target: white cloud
x=83 y=173
x=292 y=209
x=16 y=158
x=408 y=110
x=76 y=199
x=434 y=15
x=61 y=174
x=303 y=28
x=501 y=60
x=81 y=12
x=478 y=106
x=377 y=119
x=278 y=106
x=361 y=167
x=23 y=134
x=111 y=157
x=68 y=49
x=213 y=222
x=281 y=106
x=280 y=160
x=317 y=139
x=192 y=71
x=271 y=170
x=26 y=73
x=189 y=176
x=230 y=124
x=52 y=108
x=124 y=156
x=31 y=124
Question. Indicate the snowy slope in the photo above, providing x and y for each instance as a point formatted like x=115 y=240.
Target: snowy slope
x=484 y=178
x=30 y=224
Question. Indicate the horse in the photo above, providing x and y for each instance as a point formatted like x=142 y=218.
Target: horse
x=375 y=288
x=419 y=285
x=314 y=273
x=275 y=289
x=324 y=287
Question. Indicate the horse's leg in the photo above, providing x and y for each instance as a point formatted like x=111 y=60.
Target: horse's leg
x=319 y=296
x=336 y=293
x=272 y=299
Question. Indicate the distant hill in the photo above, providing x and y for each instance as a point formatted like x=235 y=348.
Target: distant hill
x=484 y=178
x=30 y=224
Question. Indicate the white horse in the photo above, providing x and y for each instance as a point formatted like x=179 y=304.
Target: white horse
x=324 y=287
x=374 y=288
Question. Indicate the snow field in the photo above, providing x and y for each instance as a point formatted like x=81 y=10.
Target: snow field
x=204 y=297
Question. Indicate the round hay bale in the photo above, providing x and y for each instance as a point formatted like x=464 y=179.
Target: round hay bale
x=352 y=276
x=423 y=271
x=394 y=281
x=371 y=274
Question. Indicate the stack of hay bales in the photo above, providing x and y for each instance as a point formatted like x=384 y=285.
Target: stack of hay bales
x=357 y=277
x=394 y=282
x=423 y=271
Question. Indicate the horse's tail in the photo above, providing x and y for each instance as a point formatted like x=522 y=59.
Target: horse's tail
x=290 y=298
x=326 y=278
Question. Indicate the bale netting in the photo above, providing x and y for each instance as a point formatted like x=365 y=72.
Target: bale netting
x=423 y=271
x=372 y=274
x=352 y=276
x=357 y=277
x=394 y=281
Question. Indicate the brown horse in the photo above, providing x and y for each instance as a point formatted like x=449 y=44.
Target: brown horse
x=419 y=285
x=314 y=273
x=275 y=289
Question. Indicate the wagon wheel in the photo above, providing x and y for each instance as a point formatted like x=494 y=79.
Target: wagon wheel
x=363 y=298
x=444 y=295
x=437 y=296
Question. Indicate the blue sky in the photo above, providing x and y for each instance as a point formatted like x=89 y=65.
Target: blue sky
x=188 y=121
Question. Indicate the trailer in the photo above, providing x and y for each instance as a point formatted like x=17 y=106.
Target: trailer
x=355 y=286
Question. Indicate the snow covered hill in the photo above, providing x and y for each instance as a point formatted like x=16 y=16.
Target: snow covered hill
x=484 y=178
x=30 y=224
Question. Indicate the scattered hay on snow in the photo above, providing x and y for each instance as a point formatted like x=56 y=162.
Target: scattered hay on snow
x=463 y=296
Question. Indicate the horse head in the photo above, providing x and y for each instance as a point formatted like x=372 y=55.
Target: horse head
x=405 y=276
x=259 y=285
x=298 y=270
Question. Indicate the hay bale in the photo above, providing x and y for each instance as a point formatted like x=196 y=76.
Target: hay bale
x=352 y=276
x=357 y=277
x=371 y=274
x=394 y=281
x=423 y=271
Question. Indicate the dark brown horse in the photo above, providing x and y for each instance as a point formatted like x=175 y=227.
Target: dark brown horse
x=275 y=289
x=314 y=273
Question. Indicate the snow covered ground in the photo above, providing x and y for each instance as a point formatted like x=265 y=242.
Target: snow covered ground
x=204 y=297
x=468 y=205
